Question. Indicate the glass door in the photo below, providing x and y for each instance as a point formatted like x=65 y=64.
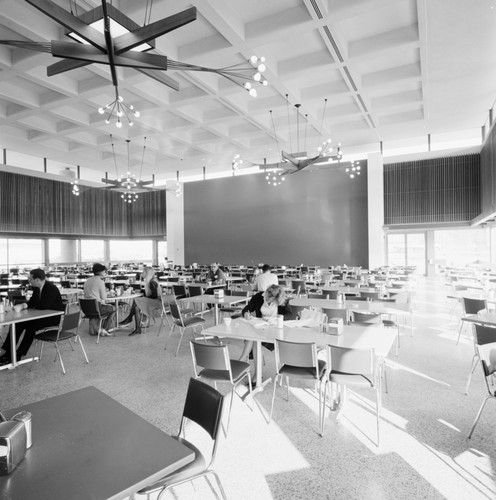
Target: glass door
x=407 y=249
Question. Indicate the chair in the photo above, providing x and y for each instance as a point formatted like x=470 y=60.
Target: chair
x=352 y=367
x=203 y=406
x=470 y=306
x=234 y=309
x=151 y=308
x=182 y=323
x=365 y=317
x=298 y=287
x=485 y=352
x=64 y=331
x=194 y=291
x=90 y=309
x=16 y=297
x=297 y=360
x=332 y=294
x=336 y=313
x=369 y=295
x=482 y=335
x=179 y=291
x=212 y=362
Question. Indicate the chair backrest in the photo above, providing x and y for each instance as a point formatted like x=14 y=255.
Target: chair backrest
x=332 y=294
x=70 y=321
x=90 y=307
x=213 y=357
x=203 y=406
x=239 y=293
x=485 y=339
x=336 y=313
x=369 y=295
x=351 y=360
x=298 y=286
x=150 y=307
x=179 y=291
x=364 y=317
x=195 y=290
x=175 y=312
x=473 y=306
x=301 y=355
x=316 y=296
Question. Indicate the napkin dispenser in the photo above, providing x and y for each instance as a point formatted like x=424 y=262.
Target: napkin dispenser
x=219 y=293
x=13 y=441
x=335 y=326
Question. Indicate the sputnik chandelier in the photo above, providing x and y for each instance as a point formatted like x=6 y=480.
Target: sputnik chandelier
x=290 y=163
x=104 y=35
x=128 y=185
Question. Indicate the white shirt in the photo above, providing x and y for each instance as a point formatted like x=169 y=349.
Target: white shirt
x=263 y=281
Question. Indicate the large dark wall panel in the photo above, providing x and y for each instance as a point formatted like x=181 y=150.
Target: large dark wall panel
x=488 y=175
x=313 y=218
x=436 y=190
x=43 y=206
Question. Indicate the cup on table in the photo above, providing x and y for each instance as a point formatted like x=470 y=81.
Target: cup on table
x=227 y=321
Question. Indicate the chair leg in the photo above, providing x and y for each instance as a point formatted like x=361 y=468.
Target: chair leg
x=170 y=333
x=219 y=485
x=378 y=403
x=459 y=332
x=479 y=414
x=180 y=339
x=82 y=348
x=230 y=409
x=475 y=362
x=273 y=396
x=60 y=357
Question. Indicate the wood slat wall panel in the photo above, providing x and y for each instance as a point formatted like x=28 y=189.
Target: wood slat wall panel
x=432 y=191
x=488 y=174
x=35 y=205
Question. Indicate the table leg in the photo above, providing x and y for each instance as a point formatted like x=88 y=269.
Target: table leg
x=13 y=344
x=216 y=314
x=259 y=382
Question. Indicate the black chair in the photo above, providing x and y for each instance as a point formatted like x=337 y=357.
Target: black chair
x=485 y=352
x=90 y=309
x=470 y=306
x=16 y=297
x=67 y=329
x=203 y=406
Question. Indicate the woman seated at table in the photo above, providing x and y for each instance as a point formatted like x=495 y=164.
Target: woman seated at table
x=268 y=304
x=152 y=292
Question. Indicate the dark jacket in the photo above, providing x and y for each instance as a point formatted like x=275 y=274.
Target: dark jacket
x=48 y=299
x=256 y=303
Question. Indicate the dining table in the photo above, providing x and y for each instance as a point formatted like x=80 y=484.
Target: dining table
x=12 y=318
x=88 y=446
x=353 y=336
x=123 y=297
x=226 y=300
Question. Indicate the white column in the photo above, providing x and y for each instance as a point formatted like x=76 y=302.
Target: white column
x=375 y=201
x=175 y=227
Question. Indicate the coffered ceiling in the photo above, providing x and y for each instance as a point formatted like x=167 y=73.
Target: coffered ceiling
x=391 y=71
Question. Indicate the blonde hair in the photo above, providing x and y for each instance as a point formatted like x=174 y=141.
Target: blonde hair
x=148 y=275
x=276 y=292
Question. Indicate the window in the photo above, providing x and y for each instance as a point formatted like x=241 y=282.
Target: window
x=459 y=247
x=92 y=250
x=24 y=252
x=131 y=251
x=407 y=249
x=62 y=251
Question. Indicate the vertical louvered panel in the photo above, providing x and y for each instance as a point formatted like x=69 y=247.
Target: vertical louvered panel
x=43 y=206
x=432 y=191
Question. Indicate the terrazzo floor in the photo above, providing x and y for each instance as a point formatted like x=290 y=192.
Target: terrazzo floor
x=424 y=451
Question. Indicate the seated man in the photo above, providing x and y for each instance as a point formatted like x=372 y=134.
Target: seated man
x=94 y=288
x=45 y=296
x=264 y=280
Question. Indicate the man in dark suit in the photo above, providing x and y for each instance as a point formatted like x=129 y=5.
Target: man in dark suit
x=45 y=296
